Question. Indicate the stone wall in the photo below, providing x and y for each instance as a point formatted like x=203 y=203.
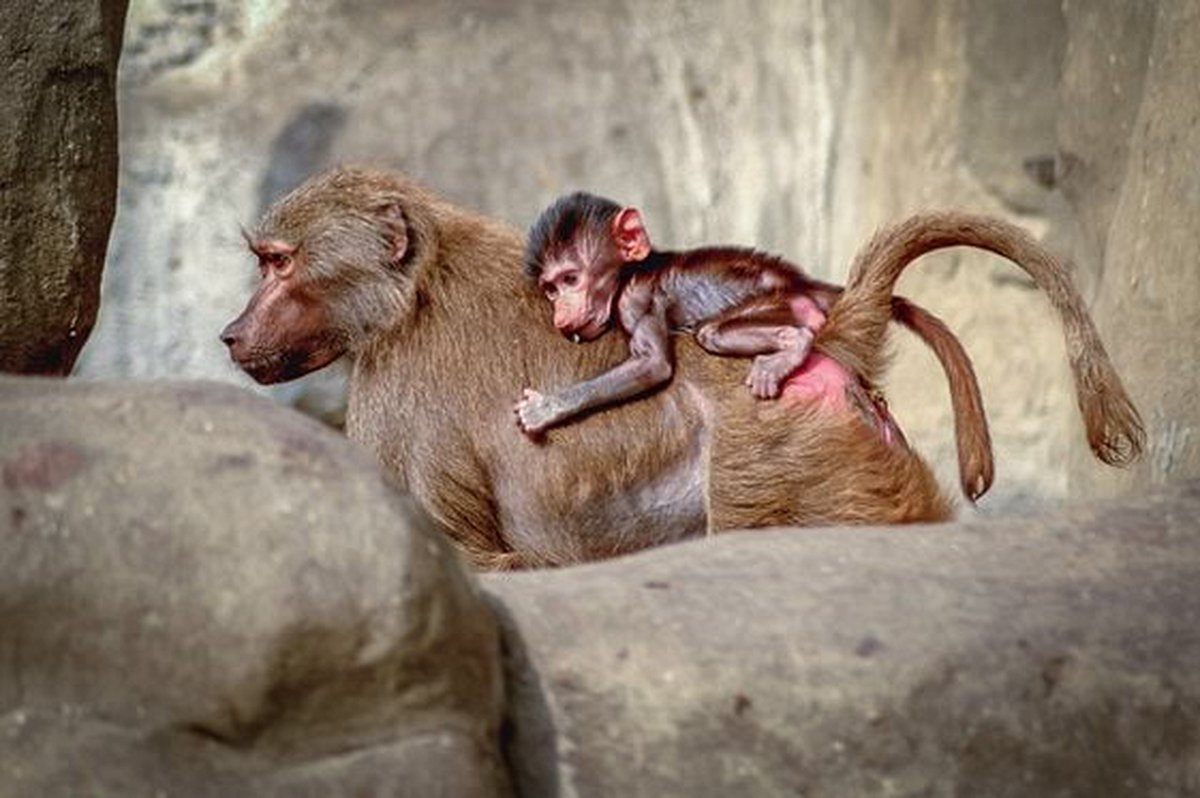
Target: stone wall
x=1131 y=160
x=798 y=127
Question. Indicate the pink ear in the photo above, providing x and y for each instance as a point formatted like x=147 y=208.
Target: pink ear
x=630 y=236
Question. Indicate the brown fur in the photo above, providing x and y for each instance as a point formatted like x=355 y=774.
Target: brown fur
x=976 y=469
x=445 y=334
x=854 y=333
x=602 y=247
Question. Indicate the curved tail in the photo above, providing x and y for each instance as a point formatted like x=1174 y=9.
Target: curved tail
x=976 y=468
x=855 y=329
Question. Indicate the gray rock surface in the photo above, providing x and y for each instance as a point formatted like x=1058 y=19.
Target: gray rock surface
x=1044 y=656
x=58 y=175
x=796 y=127
x=1131 y=157
x=202 y=593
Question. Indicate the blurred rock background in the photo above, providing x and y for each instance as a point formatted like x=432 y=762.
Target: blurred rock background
x=798 y=127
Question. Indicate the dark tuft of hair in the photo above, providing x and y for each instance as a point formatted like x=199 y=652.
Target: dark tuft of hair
x=558 y=225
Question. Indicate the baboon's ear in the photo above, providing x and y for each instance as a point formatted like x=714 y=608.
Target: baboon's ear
x=396 y=225
x=630 y=236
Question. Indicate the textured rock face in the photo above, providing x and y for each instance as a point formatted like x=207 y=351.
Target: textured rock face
x=1036 y=657
x=206 y=594
x=799 y=127
x=1131 y=158
x=58 y=175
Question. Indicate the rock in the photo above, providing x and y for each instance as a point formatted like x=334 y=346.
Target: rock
x=205 y=594
x=1131 y=154
x=1040 y=656
x=58 y=175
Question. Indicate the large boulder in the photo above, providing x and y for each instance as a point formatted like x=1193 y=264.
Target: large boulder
x=1041 y=656
x=202 y=593
x=58 y=175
